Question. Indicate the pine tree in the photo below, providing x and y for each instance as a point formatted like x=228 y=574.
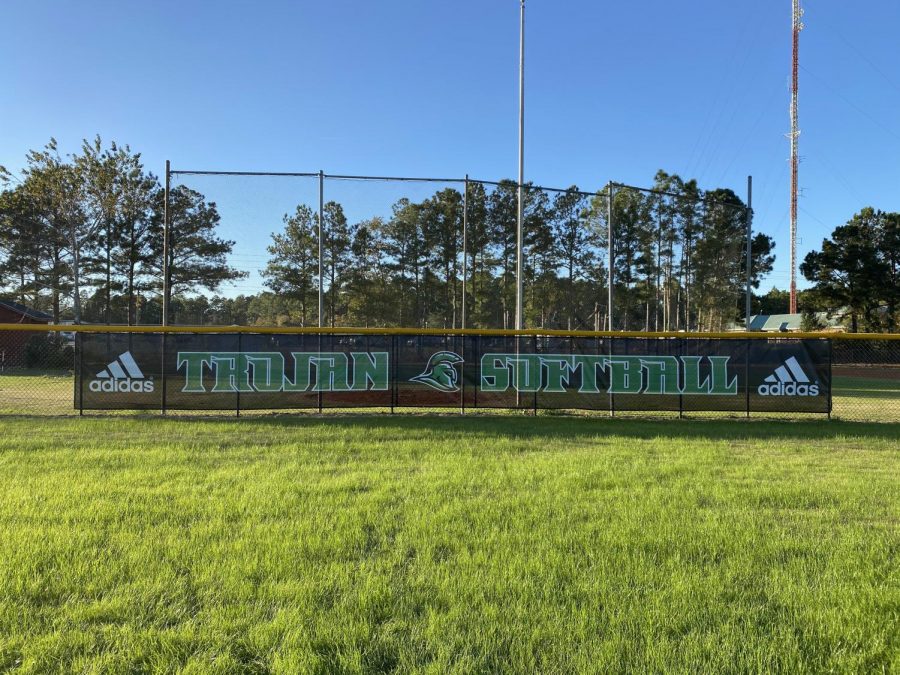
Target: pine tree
x=293 y=266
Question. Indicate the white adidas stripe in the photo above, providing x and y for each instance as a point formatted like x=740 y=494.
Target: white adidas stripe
x=792 y=365
x=133 y=371
x=796 y=373
x=122 y=368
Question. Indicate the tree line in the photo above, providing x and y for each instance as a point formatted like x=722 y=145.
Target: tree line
x=856 y=274
x=81 y=238
x=679 y=259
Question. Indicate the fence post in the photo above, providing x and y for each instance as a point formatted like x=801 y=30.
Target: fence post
x=240 y=349
x=681 y=350
x=162 y=374
x=747 y=376
x=534 y=350
x=462 y=376
x=477 y=369
x=612 y=396
x=749 y=215
x=393 y=370
x=79 y=349
x=321 y=317
x=830 y=377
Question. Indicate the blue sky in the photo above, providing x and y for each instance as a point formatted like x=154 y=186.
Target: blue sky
x=614 y=91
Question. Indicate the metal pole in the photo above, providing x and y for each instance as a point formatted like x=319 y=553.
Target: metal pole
x=609 y=255
x=796 y=27
x=321 y=232
x=465 y=237
x=747 y=307
x=165 y=298
x=521 y=210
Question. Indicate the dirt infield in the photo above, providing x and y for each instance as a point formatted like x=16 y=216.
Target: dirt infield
x=879 y=372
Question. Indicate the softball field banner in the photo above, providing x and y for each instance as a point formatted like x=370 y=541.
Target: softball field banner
x=215 y=371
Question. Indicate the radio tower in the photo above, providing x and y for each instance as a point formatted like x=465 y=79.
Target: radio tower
x=796 y=27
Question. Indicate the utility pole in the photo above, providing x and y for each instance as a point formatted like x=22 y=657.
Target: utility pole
x=520 y=220
x=796 y=27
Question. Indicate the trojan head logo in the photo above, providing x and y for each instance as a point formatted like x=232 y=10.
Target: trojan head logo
x=441 y=373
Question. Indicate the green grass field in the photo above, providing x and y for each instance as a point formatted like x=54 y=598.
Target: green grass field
x=478 y=544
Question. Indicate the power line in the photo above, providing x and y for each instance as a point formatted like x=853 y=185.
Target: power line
x=851 y=103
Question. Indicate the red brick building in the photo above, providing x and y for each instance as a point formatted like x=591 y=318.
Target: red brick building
x=12 y=343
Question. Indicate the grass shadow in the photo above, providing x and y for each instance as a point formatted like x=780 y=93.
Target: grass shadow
x=556 y=426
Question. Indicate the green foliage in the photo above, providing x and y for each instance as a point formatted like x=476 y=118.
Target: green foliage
x=122 y=199
x=774 y=302
x=858 y=269
x=337 y=235
x=49 y=352
x=84 y=235
x=292 y=270
x=679 y=260
x=810 y=321
x=198 y=257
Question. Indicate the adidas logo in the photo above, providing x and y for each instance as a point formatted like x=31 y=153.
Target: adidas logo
x=788 y=380
x=122 y=375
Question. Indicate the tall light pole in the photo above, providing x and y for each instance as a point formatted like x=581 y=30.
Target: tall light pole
x=521 y=210
x=796 y=27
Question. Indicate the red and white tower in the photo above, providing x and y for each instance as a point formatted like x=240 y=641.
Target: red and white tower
x=796 y=27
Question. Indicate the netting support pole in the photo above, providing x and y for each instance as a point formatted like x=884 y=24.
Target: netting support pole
x=609 y=255
x=321 y=268
x=321 y=233
x=749 y=214
x=520 y=219
x=165 y=265
x=465 y=239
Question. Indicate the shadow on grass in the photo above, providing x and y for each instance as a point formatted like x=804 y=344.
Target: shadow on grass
x=554 y=425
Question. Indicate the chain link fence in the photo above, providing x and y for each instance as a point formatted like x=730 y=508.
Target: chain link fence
x=866 y=376
x=38 y=366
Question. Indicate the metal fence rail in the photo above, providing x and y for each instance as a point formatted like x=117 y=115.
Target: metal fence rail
x=70 y=370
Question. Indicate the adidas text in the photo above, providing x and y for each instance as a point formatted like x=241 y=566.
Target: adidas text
x=788 y=389
x=125 y=386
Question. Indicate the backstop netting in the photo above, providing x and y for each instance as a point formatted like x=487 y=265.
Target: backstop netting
x=442 y=253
